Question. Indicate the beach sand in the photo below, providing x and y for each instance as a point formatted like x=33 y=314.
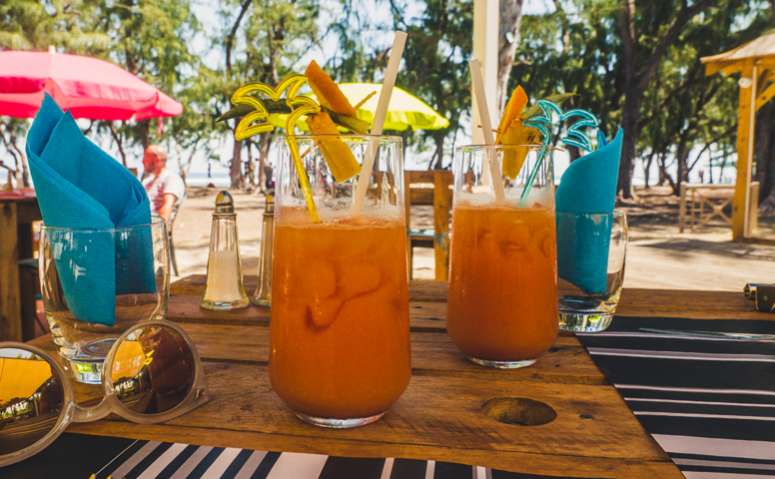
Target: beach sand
x=658 y=256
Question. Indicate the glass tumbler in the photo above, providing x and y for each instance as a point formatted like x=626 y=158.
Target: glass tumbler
x=591 y=248
x=502 y=309
x=96 y=283
x=339 y=353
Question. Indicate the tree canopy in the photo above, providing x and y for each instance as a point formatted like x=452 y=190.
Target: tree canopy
x=633 y=62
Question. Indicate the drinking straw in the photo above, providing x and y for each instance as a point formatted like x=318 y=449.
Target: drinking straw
x=484 y=117
x=389 y=81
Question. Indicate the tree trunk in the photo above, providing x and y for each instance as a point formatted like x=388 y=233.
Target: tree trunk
x=639 y=69
x=145 y=136
x=647 y=170
x=264 y=144
x=765 y=158
x=510 y=19
x=25 y=172
x=119 y=144
x=235 y=167
x=630 y=117
x=764 y=148
x=249 y=175
x=631 y=109
x=438 y=155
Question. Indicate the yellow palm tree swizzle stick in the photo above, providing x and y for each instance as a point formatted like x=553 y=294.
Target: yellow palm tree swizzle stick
x=256 y=122
x=301 y=106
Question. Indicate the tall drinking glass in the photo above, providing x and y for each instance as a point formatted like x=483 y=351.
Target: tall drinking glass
x=96 y=283
x=339 y=352
x=502 y=309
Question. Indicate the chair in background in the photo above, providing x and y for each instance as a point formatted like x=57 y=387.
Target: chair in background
x=432 y=187
x=701 y=203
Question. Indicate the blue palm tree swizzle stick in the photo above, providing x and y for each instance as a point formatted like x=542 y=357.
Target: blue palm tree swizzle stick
x=549 y=123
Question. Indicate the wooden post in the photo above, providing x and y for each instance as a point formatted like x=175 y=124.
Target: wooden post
x=745 y=133
x=10 y=309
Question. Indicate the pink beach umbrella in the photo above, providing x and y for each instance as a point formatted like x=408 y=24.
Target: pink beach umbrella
x=88 y=87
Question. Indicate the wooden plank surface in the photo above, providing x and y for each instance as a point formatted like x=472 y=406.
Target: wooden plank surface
x=16 y=217
x=440 y=416
x=10 y=307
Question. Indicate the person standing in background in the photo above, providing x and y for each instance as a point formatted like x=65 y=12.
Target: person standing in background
x=165 y=188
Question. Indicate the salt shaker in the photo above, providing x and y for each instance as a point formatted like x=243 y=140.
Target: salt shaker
x=263 y=293
x=224 y=290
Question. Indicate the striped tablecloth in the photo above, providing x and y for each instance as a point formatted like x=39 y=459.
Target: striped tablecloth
x=704 y=389
x=97 y=457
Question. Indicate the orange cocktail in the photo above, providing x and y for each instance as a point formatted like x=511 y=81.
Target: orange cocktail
x=503 y=283
x=340 y=317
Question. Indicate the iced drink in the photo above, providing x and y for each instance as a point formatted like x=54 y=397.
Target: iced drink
x=503 y=283
x=340 y=316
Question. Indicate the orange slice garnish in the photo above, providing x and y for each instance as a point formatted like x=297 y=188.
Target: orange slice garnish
x=511 y=131
x=327 y=91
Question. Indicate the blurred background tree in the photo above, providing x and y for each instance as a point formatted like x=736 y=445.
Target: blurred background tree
x=633 y=62
x=263 y=40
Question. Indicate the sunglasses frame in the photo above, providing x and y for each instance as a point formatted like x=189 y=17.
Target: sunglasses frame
x=110 y=404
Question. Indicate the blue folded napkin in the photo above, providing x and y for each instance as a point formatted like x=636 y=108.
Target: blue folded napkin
x=587 y=187
x=81 y=187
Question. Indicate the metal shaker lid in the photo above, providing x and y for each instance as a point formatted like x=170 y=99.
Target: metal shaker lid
x=224 y=204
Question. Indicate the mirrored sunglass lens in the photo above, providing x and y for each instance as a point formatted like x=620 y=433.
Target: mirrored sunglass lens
x=153 y=370
x=31 y=399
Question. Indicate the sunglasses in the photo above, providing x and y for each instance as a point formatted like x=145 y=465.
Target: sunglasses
x=151 y=374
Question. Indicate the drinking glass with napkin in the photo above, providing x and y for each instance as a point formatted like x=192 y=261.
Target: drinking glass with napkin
x=588 y=186
x=80 y=187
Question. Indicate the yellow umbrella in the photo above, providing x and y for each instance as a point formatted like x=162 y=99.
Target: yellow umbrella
x=21 y=377
x=404 y=110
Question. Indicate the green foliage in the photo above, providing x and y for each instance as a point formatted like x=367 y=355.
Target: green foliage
x=151 y=39
x=435 y=61
x=684 y=114
x=35 y=24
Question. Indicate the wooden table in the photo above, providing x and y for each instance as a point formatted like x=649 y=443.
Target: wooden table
x=439 y=417
x=17 y=212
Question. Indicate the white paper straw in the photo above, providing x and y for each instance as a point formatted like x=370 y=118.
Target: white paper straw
x=484 y=117
x=388 y=82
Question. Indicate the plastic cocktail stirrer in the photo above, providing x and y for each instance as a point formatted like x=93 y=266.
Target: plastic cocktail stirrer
x=552 y=119
x=257 y=122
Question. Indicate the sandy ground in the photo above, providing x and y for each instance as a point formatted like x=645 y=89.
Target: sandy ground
x=658 y=256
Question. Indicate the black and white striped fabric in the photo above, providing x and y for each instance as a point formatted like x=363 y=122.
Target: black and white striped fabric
x=95 y=457
x=704 y=389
